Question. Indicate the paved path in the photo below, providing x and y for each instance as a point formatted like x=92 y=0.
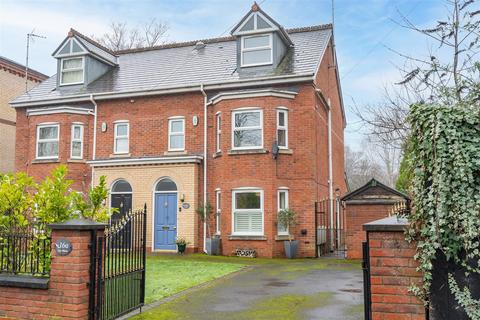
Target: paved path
x=287 y=289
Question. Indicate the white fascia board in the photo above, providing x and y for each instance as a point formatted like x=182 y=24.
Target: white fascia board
x=252 y=94
x=303 y=77
x=145 y=161
x=55 y=110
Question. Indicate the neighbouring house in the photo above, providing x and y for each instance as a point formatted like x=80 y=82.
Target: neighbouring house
x=252 y=123
x=12 y=84
x=371 y=202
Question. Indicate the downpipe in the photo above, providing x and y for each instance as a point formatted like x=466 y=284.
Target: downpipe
x=94 y=151
x=205 y=150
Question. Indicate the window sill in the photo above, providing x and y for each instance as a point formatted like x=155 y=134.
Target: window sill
x=283 y=237
x=77 y=160
x=285 y=151
x=217 y=154
x=120 y=155
x=240 y=237
x=248 y=151
x=175 y=153
x=24 y=281
x=45 y=161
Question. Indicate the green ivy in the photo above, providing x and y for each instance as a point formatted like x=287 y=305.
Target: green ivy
x=445 y=161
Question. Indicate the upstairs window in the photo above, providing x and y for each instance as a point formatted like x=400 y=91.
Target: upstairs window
x=72 y=70
x=247 y=129
x=176 y=134
x=47 y=141
x=282 y=129
x=76 y=151
x=219 y=132
x=121 y=143
x=256 y=50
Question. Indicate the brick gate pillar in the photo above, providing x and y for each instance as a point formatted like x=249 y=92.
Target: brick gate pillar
x=392 y=271
x=70 y=275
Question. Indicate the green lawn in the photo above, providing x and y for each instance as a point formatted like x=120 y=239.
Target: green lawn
x=167 y=275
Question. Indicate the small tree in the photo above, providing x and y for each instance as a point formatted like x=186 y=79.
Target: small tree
x=287 y=218
x=204 y=212
x=93 y=206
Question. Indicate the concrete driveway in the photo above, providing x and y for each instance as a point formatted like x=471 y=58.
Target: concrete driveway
x=284 y=289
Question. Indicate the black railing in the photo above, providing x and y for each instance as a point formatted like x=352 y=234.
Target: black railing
x=24 y=251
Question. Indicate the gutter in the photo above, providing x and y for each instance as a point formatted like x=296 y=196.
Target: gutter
x=205 y=150
x=303 y=77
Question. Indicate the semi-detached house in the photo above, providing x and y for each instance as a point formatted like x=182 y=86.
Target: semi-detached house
x=252 y=122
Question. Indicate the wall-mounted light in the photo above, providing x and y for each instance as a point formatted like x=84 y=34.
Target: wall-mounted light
x=104 y=126
x=195 y=121
x=182 y=197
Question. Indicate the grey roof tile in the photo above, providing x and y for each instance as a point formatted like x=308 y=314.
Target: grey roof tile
x=177 y=65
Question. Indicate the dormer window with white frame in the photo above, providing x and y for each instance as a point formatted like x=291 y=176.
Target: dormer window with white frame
x=257 y=50
x=72 y=70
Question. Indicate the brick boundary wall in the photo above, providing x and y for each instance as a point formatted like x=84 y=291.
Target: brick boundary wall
x=392 y=271
x=67 y=295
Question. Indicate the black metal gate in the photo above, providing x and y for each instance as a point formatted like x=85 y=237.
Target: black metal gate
x=119 y=267
x=367 y=296
x=330 y=227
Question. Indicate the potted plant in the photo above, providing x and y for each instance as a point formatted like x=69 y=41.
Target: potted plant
x=288 y=218
x=181 y=245
x=212 y=244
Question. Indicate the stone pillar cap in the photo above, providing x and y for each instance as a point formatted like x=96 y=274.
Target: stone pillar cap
x=78 y=224
x=392 y=223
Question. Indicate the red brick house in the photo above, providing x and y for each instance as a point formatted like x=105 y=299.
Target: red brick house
x=252 y=123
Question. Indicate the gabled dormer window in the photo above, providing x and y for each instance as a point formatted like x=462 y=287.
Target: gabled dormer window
x=256 y=50
x=72 y=70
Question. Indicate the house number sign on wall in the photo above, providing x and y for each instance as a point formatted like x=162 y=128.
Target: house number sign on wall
x=63 y=247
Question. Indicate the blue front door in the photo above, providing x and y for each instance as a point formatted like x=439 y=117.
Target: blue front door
x=165 y=229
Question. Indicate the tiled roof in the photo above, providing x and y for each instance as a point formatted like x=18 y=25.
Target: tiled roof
x=20 y=69
x=180 y=64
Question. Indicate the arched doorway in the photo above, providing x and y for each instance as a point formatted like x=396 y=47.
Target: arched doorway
x=165 y=222
x=120 y=198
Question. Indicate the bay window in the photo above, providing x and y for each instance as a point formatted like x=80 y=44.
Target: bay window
x=76 y=143
x=247 y=211
x=282 y=128
x=47 y=141
x=282 y=197
x=247 y=129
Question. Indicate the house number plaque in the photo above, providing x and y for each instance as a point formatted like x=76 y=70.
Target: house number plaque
x=185 y=205
x=63 y=247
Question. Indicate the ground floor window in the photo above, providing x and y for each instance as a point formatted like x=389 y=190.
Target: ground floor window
x=218 y=211
x=282 y=197
x=247 y=211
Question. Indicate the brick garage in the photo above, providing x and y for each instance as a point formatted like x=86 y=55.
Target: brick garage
x=371 y=202
x=392 y=271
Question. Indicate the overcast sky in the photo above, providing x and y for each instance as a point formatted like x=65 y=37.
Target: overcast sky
x=364 y=30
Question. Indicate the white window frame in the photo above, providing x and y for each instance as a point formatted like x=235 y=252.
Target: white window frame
x=72 y=140
x=243 y=49
x=234 y=211
x=57 y=140
x=284 y=127
x=74 y=69
x=218 y=141
x=218 y=211
x=246 y=110
x=282 y=190
x=170 y=133
x=115 y=137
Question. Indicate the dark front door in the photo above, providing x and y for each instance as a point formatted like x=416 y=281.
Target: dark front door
x=165 y=229
x=123 y=203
